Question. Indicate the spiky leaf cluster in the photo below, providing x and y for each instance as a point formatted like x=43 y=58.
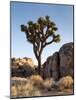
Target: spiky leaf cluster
x=35 y=31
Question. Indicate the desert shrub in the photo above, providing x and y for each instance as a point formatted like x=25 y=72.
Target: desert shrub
x=36 y=78
x=37 y=81
x=48 y=83
x=22 y=70
x=65 y=82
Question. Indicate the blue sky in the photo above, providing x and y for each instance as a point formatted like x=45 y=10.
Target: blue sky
x=21 y=13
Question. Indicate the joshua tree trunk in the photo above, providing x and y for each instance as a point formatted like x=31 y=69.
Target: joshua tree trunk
x=39 y=65
x=38 y=57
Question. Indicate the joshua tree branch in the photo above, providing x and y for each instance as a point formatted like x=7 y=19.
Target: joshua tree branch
x=35 y=51
x=47 y=43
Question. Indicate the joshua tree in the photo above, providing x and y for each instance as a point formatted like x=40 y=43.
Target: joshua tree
x=38 y=35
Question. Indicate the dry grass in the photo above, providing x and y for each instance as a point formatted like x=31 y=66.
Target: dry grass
x=65 y=83
x=21 y=87
x=36 y=81
x=36 y=78
x=24 y=90
x=48 y=83
x=36 y=86
x=14 y=91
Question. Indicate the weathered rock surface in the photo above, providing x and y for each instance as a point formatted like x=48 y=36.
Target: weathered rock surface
x=66 y=60
x=51 y=67
x=47 y=68
x=55 y=66
x=60 y=63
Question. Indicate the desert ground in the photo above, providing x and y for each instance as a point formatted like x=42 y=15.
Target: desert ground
x=36 y=86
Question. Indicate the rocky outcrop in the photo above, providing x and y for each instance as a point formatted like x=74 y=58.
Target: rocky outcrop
x=51 y=67
x=60 y=63
x=20 y=62
x=47 y=68
x=22 y=67
x=55 y=66
x=66 y=59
